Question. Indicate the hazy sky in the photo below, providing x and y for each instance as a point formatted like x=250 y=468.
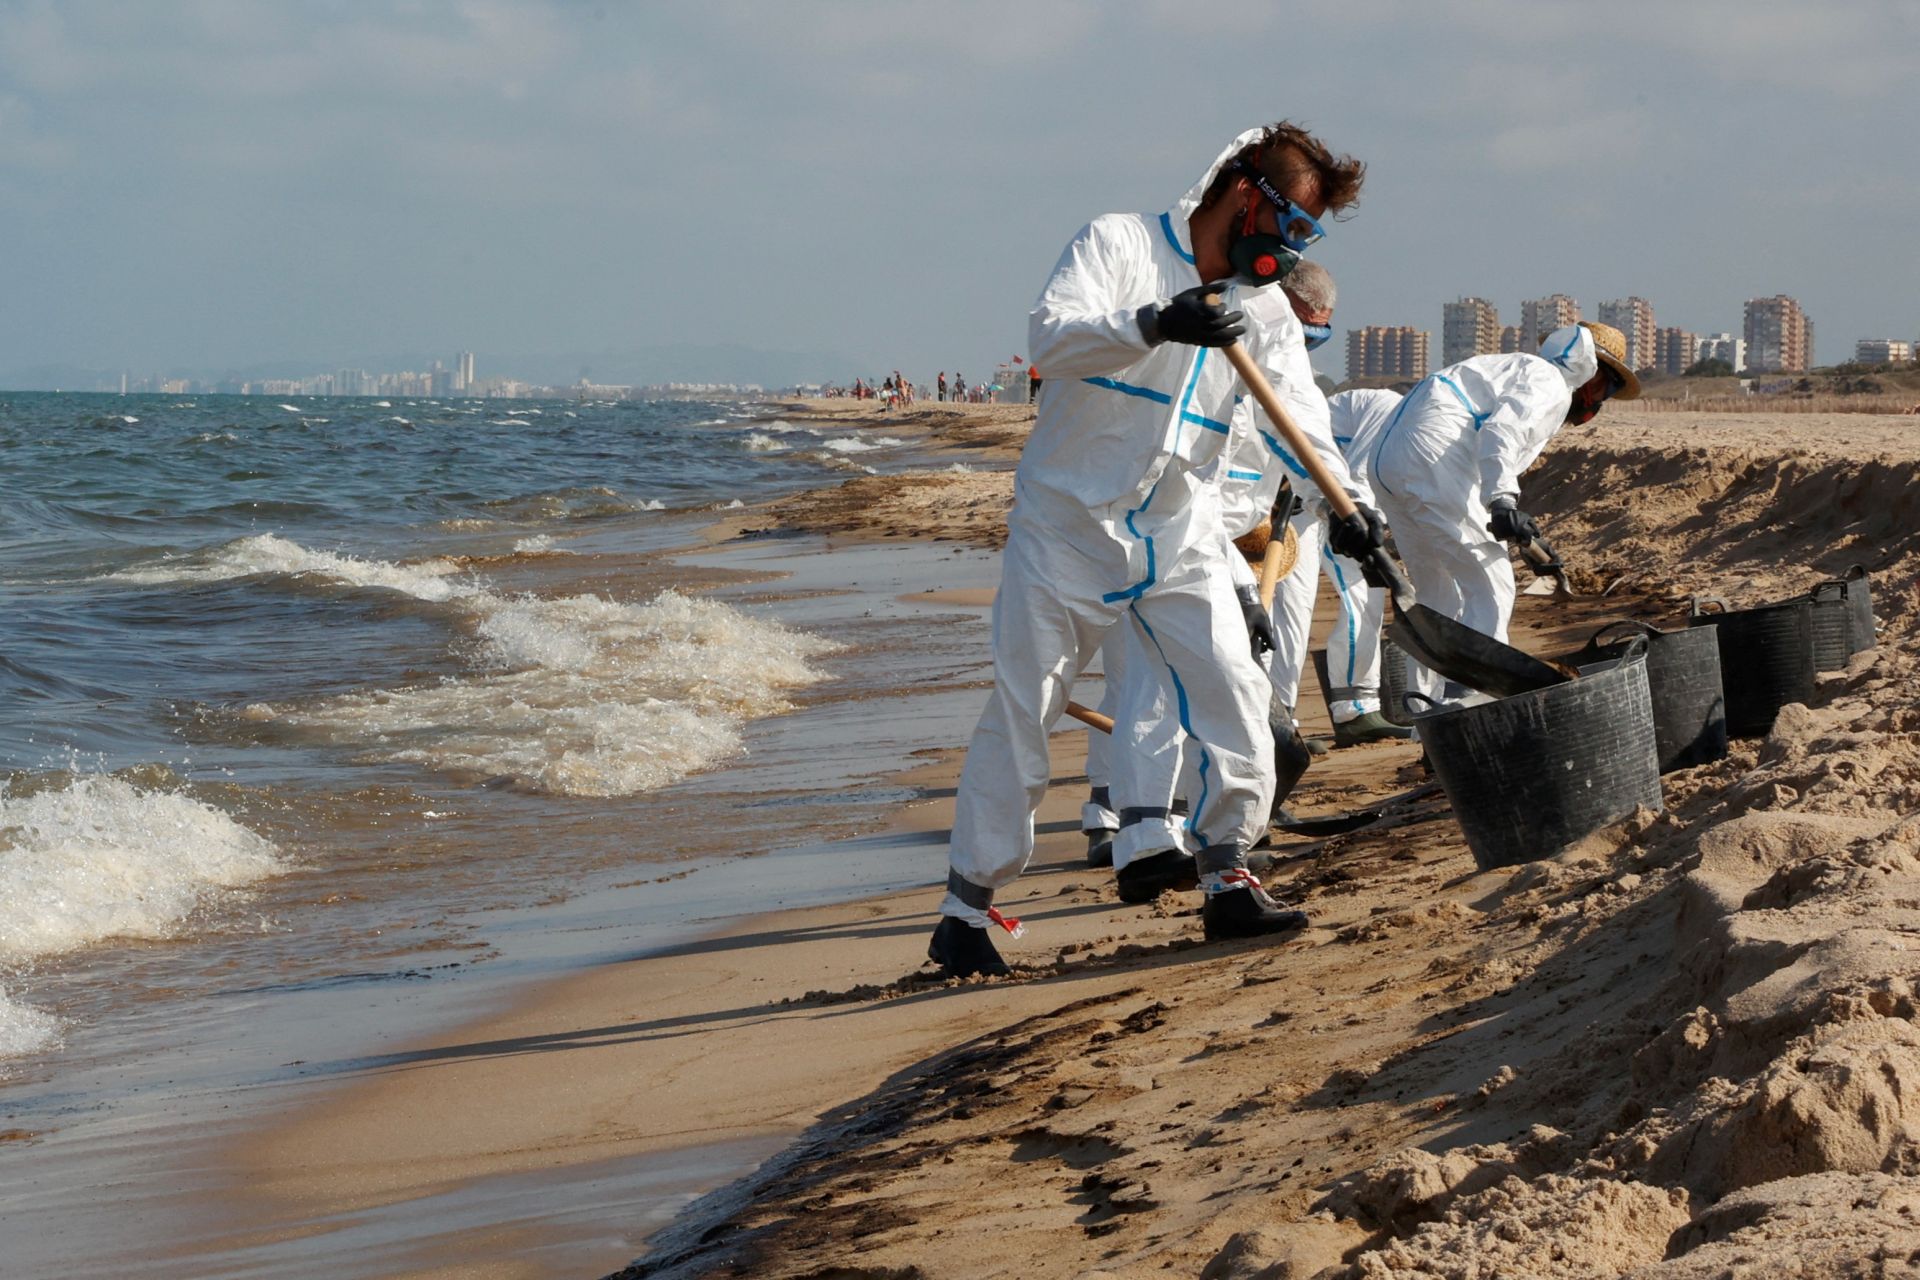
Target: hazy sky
x=194 y=183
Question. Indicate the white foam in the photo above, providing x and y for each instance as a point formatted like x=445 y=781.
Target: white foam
x=539 y=544
x=405 y=422
x=508 y=422
x=291 y=408
x=849 y=444
x=579 y=695
x=24 y=1029
x=383 y=404
x=760 y=442
x=962 y=468
x=127 y=418
x=103 y=858
x=269 y=553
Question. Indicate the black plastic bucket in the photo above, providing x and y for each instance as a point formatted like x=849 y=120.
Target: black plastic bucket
x=1393 y=682
x=1832 y=626
x=1529 y=775
x=1683 y=681
x=1849 y=598
x=1766 y=659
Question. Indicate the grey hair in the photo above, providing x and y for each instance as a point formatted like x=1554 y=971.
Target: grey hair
x=1312 y=284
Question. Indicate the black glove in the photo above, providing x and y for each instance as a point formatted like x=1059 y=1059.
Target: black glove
x=1259 y=625
x=1510 y=524
x=1359 y=535
x=1191 y=318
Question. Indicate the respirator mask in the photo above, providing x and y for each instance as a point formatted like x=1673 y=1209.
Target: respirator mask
x=1259 y=257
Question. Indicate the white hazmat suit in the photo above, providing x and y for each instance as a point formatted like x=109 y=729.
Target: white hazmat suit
x=1353 y=647
x=1147 y=760
x=1458 y=441
x=1116 y=520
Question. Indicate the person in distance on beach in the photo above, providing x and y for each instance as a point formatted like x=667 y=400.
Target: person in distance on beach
x=1446 y=466
x=1116 y=520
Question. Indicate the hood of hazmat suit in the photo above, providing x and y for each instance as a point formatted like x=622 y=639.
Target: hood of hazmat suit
x=1123 y=455
x=1570 y=350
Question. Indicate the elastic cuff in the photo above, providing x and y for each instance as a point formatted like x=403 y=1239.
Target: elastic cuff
x=1148 y=318
x=1221 y=857
x=979 y=897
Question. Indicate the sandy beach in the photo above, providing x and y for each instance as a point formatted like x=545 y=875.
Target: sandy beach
x=1682 y=1048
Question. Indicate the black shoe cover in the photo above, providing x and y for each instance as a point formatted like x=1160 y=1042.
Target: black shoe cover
x=1145 y=879
x=963 y=951
x=1100 y=848
x=1247 y=913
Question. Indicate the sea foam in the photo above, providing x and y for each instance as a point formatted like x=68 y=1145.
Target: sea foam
x=579 y=695
x=102 y=858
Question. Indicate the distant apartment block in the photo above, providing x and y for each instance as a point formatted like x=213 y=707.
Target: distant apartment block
x=1510 y=340
x=1469 y=327
x=1541 y=316
x=1387 y=351
x=1674 y=350
x=1882 y=351
x=1722 y=346
x=463 y=373
x=1779 y=335
x=1634 y=318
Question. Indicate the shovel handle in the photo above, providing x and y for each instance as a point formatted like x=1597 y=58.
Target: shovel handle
x=1337 y=498
x=1091 y=718
x=1270 y=571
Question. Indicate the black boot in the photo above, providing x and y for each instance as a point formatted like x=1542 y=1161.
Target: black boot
x=1145 y=879
x=963 y=951
x=1247 y=912
x=1100 y=848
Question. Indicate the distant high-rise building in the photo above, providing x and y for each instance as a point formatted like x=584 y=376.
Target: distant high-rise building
x=1469 y=327
x=1510 y=340
x=1387 y=351
x=1673 y=350
x=1541 y=316
x=1722 y=346
x=463 y=374
x=1882 y=351
x=1634 y=318
x=1779 y=335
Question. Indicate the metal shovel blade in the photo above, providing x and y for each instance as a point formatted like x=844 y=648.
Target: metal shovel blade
x=1472 y=658
x=1454 y=649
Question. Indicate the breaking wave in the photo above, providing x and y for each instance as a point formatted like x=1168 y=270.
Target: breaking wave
x=580 y=695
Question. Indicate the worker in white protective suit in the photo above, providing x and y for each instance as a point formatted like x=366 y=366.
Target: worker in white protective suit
x=1353 y=646
x=1116 y=522
x=1446 y=467
x=1147 y=775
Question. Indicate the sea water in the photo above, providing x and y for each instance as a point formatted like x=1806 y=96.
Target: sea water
x=269 y=667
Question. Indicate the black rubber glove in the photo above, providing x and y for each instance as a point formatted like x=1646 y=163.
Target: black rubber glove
x=1191 y=318
x=1510 y=524
x=1259 y=625
x=1359 y=535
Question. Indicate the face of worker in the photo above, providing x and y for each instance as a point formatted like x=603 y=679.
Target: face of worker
x=1317 y=324
x=1591 y=394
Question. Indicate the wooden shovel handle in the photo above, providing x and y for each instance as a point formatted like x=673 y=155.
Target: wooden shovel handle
x=1337 y=498
x=1270 y=570
x=1088 y=716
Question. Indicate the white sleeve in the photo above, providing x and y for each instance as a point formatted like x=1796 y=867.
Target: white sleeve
x=1084 y=323
x=1517 y=428
x=1237 y=567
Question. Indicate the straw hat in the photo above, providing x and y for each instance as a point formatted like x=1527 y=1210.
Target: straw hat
x=1610 y=345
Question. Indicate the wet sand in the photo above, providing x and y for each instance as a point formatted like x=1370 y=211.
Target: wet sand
x=1682 y=1046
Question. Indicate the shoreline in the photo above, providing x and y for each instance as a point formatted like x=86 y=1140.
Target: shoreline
x=1070 y=1067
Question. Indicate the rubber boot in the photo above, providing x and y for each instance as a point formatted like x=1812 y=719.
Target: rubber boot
x=1100 y=848
x=962 y=951
x=1145 y=879
x=1236 y=906
x=1369 y=726
x=1248 y=913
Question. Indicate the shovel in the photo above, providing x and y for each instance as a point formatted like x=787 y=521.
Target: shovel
x=1442 y=644
x=1546 y=564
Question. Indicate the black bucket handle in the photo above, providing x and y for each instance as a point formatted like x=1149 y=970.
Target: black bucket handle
x=1406 y=700
x=1835 y=590
x=1854 y=574
x=1701 y=603
x=1641 y=630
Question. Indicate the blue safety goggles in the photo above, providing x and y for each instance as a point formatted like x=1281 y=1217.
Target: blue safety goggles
x=1298 y=228
x=1318 y=335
